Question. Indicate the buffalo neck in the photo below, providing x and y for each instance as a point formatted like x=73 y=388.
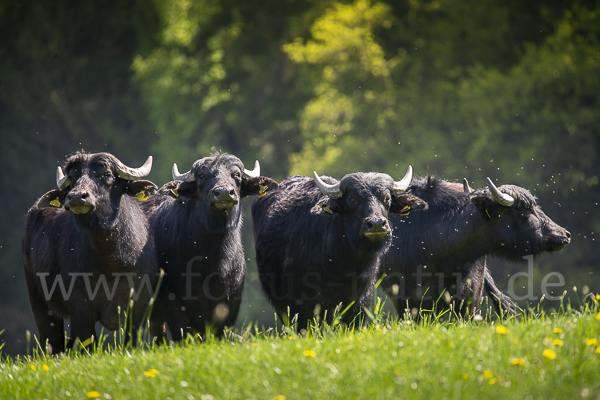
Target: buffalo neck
x=120 y=234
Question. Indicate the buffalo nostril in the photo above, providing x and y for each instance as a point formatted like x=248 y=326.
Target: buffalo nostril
x=376 y=224
x=568 y=234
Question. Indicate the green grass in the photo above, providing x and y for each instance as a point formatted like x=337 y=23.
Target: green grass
x=454 y=359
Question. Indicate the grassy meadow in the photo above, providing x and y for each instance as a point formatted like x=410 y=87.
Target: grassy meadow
x=536 y=356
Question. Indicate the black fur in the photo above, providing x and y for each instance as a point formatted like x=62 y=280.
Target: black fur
x=311 y=250
x=111 y=238
x=452 y=239
x=194 y=237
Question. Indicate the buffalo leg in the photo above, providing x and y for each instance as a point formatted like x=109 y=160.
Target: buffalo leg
x=473 y=287
x=502 y=303
x=82 y=322
x=50 y=325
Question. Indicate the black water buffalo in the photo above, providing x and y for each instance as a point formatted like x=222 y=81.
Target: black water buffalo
x=197 y=221
x=86 y=245
x=319 y=241
x=447 y=245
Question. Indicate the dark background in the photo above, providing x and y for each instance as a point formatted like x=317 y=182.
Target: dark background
x=459 y=88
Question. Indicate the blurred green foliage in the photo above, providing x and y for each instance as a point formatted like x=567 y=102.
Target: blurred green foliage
x=506 y=89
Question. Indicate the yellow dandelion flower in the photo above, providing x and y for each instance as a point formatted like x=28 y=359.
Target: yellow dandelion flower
x=291 y=337
x=592 y=342
x=92 y=394
x=465 y=376
x=151 y=373
x=597 y=350
x=517 y=361
x=597 y=296
x=557 y=330
x=598 y=316
x=549 y=354
x=501 y=330
x=254 y=344
x=558 y=342
x=492 y=381
x=280 y=397
x=488 y=374
x=397 y=372
x=309 y=353
x=33 y=368
x=45 y=367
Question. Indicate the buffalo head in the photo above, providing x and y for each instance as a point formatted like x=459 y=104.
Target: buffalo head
x=518 y=221
x=216 y=185
x=92 y=184
x=365 y=200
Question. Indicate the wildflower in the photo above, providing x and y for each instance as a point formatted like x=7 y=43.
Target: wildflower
x=558 y=342
x=557 y=330
x=92 y=394
x=517 y=361
x=492 y=381
x=151 y=373
x=465 y=376
x=592 y=342
x=488 y=374
x=291 y=337
x=33 y=368
x=309 y=353
x=501 y=330
x=549 y=354
x=280 y=397
x=397 y=372
x=598 y=316
x=597 y=296
x=597 y=350
x=45 y=367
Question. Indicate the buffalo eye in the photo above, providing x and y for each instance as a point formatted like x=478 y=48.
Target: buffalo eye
x=200 y=176
x=237 y=176
x=387 y=200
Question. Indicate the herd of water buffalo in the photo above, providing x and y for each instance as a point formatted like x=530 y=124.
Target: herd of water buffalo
x=106 y=240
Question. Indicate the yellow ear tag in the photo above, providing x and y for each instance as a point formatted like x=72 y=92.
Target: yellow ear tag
x=141 y=196
x=327 y=210
x=174 y=194
x=55 y=203
x=405 y=210
x=488 y=213
x=262 y=191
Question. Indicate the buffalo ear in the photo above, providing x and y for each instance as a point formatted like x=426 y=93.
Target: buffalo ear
x=52 y=199
x=257 y=186
x=325 y=206
x=139 y=189
x=485 y=206
x=404 y=203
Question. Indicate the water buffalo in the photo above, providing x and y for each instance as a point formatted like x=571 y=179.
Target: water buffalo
x=319 y=241
x=197 y=222
x=90 y=231
x=447 y=245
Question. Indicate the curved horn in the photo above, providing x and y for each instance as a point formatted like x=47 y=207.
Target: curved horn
x=62 y=181
x=329 y=190
x=131 y=174
x=255 y=173
x=502 y=198
x=187 y=177
x=403 y=184
x=466 y=188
